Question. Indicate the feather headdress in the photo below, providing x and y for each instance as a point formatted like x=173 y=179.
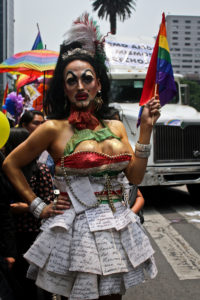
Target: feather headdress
x=86 y=31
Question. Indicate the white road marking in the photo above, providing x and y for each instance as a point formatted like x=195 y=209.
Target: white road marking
x=184 y=260
x=185 y=212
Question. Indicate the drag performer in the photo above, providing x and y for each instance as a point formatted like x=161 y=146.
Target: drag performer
x=96 y=249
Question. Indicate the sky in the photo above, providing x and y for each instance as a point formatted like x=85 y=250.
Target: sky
x=56 y=16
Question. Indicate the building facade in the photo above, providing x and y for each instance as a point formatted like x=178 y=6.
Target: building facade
x=183 y=34
x=6 y=35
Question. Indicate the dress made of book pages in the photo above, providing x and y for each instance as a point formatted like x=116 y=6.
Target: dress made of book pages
x=97 y=247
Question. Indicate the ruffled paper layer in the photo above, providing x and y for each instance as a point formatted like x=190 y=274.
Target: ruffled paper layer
x=70 y=260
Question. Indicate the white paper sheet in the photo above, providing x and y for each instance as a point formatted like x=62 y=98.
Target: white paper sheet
x=111 y=284
x=100 y=218
x=65 y=220
x=84 y=255
x=60 y=285
x=136 y=244
x=40 y=250
x=59 y=260
x=111 y=253
x=134 y=277
x=85 y=287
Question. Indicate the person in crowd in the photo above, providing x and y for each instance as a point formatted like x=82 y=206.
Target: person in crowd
x=8 y=249
x=26 y=225
x=96 y=249
x=30 y=120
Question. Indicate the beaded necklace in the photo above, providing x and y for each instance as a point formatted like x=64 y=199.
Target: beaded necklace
x=107 y=188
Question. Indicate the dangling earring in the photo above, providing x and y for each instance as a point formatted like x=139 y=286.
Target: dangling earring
x=98 y=101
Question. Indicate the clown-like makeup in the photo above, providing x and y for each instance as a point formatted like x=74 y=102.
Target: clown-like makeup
x=81 y=84
x=86 y=77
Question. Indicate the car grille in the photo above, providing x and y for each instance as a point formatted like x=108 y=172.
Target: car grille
x=173 y=143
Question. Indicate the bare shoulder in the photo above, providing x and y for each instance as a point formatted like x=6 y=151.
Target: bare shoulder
x=47 y=133
x=117 y=127
x=52 y=127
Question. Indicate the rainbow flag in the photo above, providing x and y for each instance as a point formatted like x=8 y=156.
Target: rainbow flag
x=26 y=79
x=159 y=78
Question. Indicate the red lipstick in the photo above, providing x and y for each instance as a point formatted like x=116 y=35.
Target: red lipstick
x=81 y=96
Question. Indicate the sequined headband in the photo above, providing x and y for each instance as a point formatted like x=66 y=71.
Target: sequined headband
x=76 y=51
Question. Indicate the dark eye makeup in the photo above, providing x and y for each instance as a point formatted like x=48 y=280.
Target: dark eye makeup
x=87 y=77
x=71 y=78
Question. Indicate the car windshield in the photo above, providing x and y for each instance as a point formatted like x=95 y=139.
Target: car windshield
x=129 y=91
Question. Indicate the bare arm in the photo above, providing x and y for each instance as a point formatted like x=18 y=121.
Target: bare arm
x=139 y=202
x=37 y=142
x=136 y=169
x=137 y=166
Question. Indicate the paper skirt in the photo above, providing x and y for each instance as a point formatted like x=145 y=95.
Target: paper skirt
x=78 y=259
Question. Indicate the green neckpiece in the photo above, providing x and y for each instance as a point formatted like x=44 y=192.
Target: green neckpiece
x=88 y=134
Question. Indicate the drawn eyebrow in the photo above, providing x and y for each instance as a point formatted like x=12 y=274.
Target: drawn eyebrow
x=85 y=71
x=72 y=73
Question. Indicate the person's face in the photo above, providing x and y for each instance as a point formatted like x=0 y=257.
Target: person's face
x=37 y=120
x=81 y=83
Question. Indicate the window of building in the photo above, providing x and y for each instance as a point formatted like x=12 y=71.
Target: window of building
x=197 y=49
x=175 y=54
x=187 y=60
x=176 y=61
x=187 y=27
x=187 y=38
x=197 y=67
x=174 y=44
x=176 y=49
x=175 y=32
x=175 y=38
x=198 y=21
x=176 y=66
x=197 y=61
x=187 y=32
x=187 y=55
x=187 y=44
x=186 y=67
x=187 y=21
x=175 y=21
x=175 y=27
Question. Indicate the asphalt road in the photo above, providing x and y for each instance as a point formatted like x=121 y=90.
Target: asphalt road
x=172 y=220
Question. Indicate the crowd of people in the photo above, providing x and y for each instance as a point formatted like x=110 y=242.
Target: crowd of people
x=70 y=224
x=25 y=227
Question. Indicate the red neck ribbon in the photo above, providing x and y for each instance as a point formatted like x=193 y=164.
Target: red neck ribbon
x=83 y=119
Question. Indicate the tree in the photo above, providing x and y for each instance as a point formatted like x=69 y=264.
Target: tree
x=112 y=8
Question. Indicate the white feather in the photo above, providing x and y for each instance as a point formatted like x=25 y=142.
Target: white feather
x=83 y=31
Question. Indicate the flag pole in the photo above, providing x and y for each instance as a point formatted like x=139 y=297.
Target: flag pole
x=45 y=47
x=155 y=90
x=38 y=27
